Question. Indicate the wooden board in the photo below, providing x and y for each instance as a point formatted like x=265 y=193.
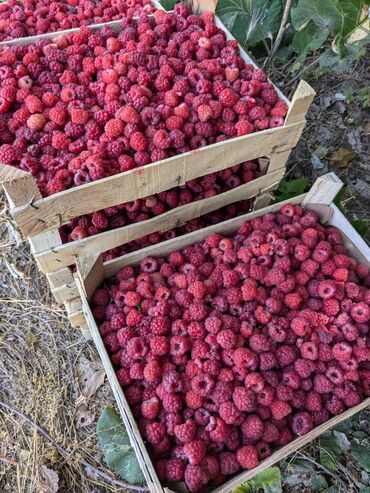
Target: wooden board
x=66 y=254
x=58 y=209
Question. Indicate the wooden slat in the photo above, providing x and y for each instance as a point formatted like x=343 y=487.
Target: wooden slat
x=324 y=190
x=20 y=187
x=156 y=177
x=66 y=254
x=60 y=278
x=302 y=98
x=137 y=443
x=90 y=273
x=65 y=293
x=278 y=161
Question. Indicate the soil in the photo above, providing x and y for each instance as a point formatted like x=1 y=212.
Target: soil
x=39 y=351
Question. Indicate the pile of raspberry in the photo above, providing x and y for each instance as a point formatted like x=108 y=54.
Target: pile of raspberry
x=231 y=347
x=144 y=209
x=94 y=104
x=31 y=17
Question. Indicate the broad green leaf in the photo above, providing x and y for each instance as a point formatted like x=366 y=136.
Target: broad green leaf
x=365 y=489
x=168 y=4
x=269 y=480
x=318 y=482
x=329 y=451
x=361 y=226
x=361 y=454
x=310 y=38
x=116 y=447
x=272 y=23
x=338 y=16
x=359 y=434
x=243 y=488
x=290 y=189
x=246 y=19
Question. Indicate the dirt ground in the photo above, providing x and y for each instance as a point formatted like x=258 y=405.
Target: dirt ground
x=40 y=352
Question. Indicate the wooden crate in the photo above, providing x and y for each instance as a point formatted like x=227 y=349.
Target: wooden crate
x=39 y=218
x=92 y=272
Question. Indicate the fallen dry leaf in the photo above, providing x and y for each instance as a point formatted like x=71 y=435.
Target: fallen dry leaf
x=84 y=417
x=48 y=480
x=342 y=157
x=91 y=375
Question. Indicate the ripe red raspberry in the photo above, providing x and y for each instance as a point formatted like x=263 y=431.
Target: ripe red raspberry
x=226 y=338
x=245 y=400
x=150 y=408
x=228 y=463
x=152 y=371
x=218 y=429
x=101 y=297
x=172 y=403
x=36 y=121
x=247 y=457
x=138 y=141
x=161 y=139
x=243 y=127
x=229 y=412
x=193 y=400
x=270 y=97
x=79 y=116
x=34 y=104
x=342 y=351
x=175 y=469
x=203 y=384
x=270 y=432
x=195 y=475
x=322 y=384
x=155 y=432
x=60 y=141
x=114 y=128
x=185 y=432
x=137 y=348
x=228 y=97
x=280 y=409
x=252 y=428
x=301 y=423
x=360 y=312
x=159 y=345
x=309 y=351
x=195 y=451
x=205 y=112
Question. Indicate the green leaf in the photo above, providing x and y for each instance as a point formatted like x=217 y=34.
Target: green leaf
x=269 y=480
x=329 y=451
x=361 y=454
x=332 y=489
x=116 y=447
x=361 y=226
x=310 y=38
x=248 y=19
x=359 y=434
x=318 y=482
x=243 y=488
x=365 y=489
x=337 y=16
x=290 y=189
x=168 y=4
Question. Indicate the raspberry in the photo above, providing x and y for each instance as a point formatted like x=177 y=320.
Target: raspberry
x=138 y=141
x=175 y=469
x=245 y=400
x=155 y=432
x=228 y=463
x=203 y=384
x=270 y=432
x=137 y=348
x=195 y=475
x=172 y=403
x=342 y=351
x=185 y=432
x=322 y=384
x=114 y=128
x=280 y=409
x=101 y=297
x=60 y=141
x=193 y=400
x=301 y=423
x=252 y=427
x=247 y=457
x=229 y=412
x=228 y=97
x=152 y=371
x=226 y=338
x=150 y=408
x=195 y=451
x=360 y=312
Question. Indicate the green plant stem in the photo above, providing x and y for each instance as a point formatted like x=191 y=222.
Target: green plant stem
x=67 y=455
x=280 y=34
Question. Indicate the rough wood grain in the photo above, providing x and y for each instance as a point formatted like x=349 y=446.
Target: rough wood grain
x=90 y=273
x=66 y=292
x=324 y=190
x=156 y=177
x=66 y=254
x=301 y=101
